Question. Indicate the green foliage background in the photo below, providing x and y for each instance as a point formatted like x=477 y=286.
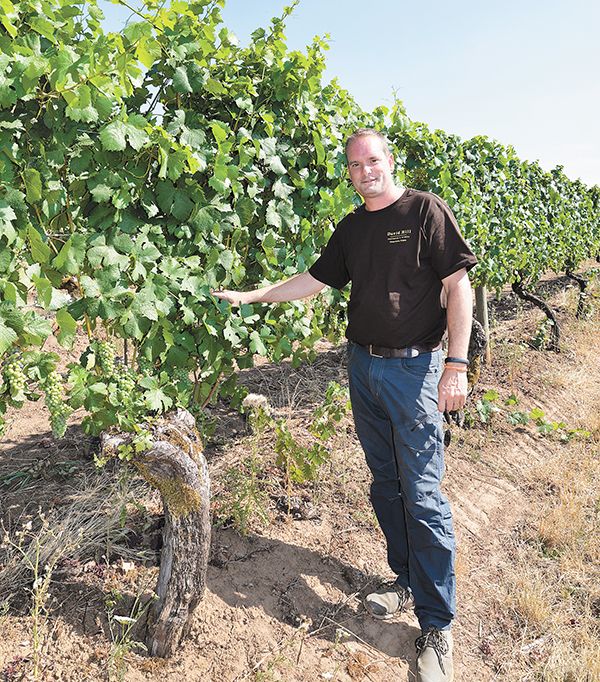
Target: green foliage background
x=144 y=168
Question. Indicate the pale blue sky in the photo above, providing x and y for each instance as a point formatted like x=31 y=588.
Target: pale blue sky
x=524 y=72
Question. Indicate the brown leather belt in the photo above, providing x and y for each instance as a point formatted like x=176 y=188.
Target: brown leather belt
x=409 y=352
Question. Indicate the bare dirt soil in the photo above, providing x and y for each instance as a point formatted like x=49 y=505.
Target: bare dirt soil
x=284 y=601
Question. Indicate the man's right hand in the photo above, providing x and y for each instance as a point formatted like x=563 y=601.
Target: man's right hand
x=234 y=297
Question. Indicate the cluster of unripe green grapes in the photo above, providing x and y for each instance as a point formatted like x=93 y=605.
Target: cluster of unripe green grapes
x=180 y=375
x=55 y=402
x=15 y=377
x=114 y=371
x=105 y=353
x=123 y=380
x=146 y=367
x=126 y=384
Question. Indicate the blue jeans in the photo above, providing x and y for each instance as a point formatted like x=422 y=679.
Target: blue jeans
x=394 y=403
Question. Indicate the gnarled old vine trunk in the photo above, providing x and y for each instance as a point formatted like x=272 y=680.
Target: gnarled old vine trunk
x=521 y=292
x=175 y=465
x=583 y=283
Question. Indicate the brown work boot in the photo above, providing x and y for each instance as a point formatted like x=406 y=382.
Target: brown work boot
x=434 y=656
x=387 y=601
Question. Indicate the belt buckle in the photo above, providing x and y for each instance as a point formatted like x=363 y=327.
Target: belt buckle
x=374 y=355
x=412 y=352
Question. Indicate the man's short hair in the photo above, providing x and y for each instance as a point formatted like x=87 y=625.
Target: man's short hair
x=364 y=132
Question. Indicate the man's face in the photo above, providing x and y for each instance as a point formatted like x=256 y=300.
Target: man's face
x=370 y=167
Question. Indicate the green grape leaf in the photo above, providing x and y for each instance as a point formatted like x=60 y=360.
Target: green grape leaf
x=40 y=251
x=214 y=87
x=276 y=165
x=36 y=329
x=148 y=51
x=102 y=193
x=145 y=304
x=8 y=13
x=67 y=328
x=113 y=136
x=8 y=336
x=136 y=135
x=7 y=216
x=33 y=185
x=180 y=81
x=71 y=256
x=44 y=27
x=8 y=93
x=156 y=399
x=79 y=107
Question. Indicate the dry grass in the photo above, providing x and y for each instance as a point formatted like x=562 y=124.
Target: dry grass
x=572 y=660
x=509 y=356
x=530 y=598
x=548 y=608
x=86 y=525
x=547 y=623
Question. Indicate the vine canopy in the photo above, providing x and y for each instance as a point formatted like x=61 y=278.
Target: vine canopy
x=141 y=169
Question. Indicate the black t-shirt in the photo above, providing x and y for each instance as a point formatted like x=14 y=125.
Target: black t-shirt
x=396 y=258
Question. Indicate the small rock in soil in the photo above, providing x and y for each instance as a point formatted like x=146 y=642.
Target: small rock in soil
x=300 y=509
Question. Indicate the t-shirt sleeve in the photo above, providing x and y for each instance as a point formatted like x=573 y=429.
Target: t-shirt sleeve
x=330 y=268
x=448 y=249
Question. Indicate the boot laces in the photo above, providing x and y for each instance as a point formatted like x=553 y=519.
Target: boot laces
x=402 y=592
x=436 y=641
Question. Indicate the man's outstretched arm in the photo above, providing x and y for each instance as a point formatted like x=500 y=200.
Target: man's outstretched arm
x=298 y=286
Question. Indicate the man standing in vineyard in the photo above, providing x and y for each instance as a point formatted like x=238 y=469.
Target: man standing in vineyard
x=404 y=255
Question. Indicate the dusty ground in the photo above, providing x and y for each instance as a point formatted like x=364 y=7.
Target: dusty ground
x=284 y=601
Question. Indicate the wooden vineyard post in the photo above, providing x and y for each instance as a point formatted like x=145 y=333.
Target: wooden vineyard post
x=481 y=315
x=175 y=465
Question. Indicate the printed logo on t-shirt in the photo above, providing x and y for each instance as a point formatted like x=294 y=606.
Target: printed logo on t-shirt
x=398 y=236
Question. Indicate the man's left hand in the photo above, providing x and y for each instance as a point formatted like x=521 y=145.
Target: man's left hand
x=452 y=390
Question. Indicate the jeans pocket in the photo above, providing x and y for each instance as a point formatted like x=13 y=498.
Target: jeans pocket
x=420 y=450
x=424 y=435
x=420 y=366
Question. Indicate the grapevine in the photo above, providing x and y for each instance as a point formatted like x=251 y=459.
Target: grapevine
x=239 y=181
